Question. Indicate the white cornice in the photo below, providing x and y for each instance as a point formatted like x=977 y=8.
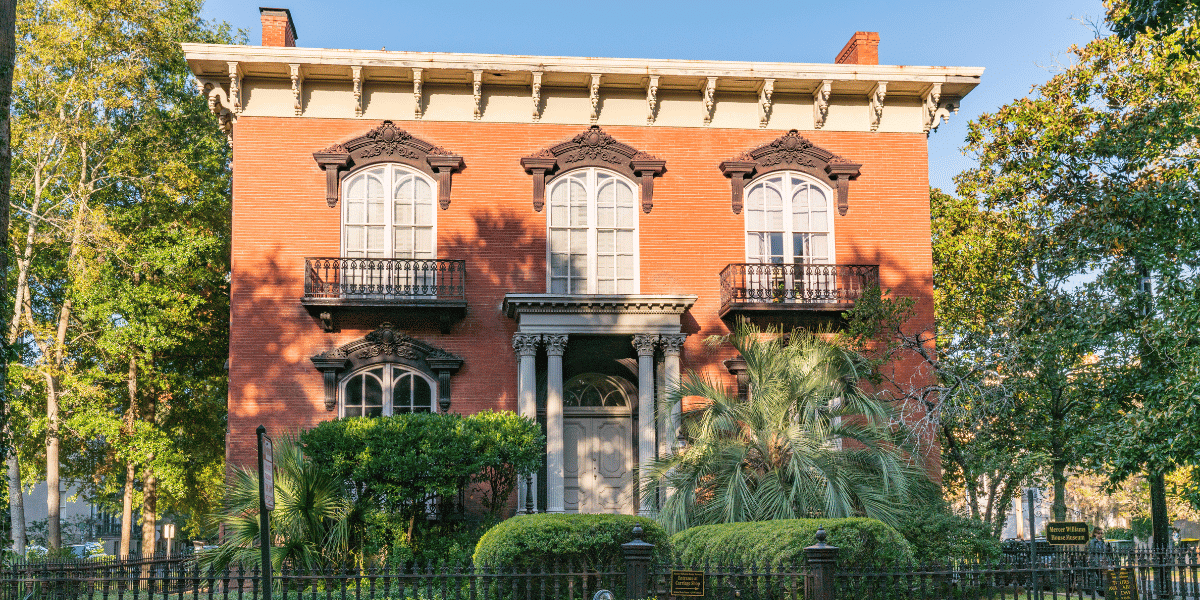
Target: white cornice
x=517 y=304
x=199 y=54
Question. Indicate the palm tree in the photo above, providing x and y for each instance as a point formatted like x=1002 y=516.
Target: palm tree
x=310 y=522
x=809 y=442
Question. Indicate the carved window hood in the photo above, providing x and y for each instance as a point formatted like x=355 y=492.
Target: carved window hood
x=593 y=148
x=387 y=345
x=791 y=152
x=388 y=143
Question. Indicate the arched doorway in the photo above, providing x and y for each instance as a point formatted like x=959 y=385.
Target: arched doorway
x=598 y=444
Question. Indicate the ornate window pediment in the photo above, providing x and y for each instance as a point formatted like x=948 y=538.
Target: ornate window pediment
x=382 y=346
x=593 y=148
x=388 y=143
x=791 y=152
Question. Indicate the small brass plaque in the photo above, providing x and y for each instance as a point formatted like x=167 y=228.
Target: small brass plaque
x=1122 y=584
x=689 y=583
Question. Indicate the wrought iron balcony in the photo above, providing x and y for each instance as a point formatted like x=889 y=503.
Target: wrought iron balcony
x=432 y=286
x=748 y=288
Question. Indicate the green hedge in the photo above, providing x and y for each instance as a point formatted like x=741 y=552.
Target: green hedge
x=532 y=541
x=860 y=541
x=937 y=536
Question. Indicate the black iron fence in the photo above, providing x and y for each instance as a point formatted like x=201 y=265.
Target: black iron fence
x=385 y=278
x=1060 y=575
x=800 y=283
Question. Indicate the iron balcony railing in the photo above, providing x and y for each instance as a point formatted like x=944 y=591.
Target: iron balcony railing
x=796 y=284
x=399 y=279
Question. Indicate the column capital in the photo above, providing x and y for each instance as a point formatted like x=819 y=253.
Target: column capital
x=644 y=343
x=672 y=343
x=526 y=344
x=556 y=344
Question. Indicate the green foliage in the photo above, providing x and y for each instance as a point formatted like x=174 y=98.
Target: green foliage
x=860 y=542
x=310 y=521
x=937 y=535
x=1118 y=533
x=506 y=447
x=533 y=541
x=1098 y=166
x=393 y=466
x=809 y=441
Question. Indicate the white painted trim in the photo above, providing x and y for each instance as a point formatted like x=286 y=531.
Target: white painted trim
x=389 y=205
x=591 y=190
x=390 y=376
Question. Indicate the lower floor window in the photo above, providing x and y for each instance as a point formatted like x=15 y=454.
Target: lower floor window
x=384 y=390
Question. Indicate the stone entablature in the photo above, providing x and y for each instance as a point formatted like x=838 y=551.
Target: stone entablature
x=312 y=82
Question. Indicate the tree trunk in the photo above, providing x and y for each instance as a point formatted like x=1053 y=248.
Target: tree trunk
x=1059 y=476
x=149 y=516
x=8 y=55
x=127 y=510
x=16 y=504
x=53 y=485
x=130 y=466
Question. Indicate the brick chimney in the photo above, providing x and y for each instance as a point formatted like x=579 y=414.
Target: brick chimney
x=862 y=49
x=277 y=27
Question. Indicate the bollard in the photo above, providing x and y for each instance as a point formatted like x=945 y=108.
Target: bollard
x=821 y=559
x=637 y=565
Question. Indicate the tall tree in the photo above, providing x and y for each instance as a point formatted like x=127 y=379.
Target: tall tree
x=8 y=52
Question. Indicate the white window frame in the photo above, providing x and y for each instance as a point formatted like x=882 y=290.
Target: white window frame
x=591 y=190
x=789 y=253
x=389 y=184
x=391 y=372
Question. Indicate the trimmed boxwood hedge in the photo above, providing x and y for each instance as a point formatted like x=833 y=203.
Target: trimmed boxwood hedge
x=860 y=542
x=532 y=541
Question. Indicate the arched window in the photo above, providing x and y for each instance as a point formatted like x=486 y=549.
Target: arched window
x=386 y=389
x=788 y=220
x=595 y=389
x=387 y=212
x=593 y=234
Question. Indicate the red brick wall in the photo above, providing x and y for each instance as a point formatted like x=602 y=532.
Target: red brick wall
x=280 y=217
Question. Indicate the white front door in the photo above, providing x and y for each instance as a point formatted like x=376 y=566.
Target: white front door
x=598 y=464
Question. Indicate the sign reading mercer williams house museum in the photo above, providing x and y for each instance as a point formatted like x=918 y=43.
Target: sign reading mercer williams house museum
x=554 y=236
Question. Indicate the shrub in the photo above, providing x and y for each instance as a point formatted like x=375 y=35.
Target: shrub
x=506 y=446
x=531 y=541
x=937 y=535
x=1119 y=533
x=782 y=542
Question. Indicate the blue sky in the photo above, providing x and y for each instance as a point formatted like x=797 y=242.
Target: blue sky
x=1020 y=42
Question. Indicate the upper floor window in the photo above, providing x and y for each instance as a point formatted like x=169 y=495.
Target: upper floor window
x=387 y=389
x=387 y=212
x=593 y=239
x=788 y=220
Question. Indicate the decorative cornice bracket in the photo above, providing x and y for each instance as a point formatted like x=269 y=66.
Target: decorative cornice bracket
x=477 y=92
x=764 y=102
x=652 y=99
x=710 y=101
x=357 y=76
x=877 y=95
x=297 y=75
x=593 y=148
x=418 y=96
x=930 y=101
x=219 y=105
x=821 y=102
x=536 y=89
x=594 y=96
x=235 y=87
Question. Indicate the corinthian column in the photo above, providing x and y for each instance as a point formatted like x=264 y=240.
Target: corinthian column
x=644 y=344
x=555 y=346
x=525 y=345
x=671 y=345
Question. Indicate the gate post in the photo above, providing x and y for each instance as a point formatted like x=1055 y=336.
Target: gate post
x=637 y=565
x=821 y=559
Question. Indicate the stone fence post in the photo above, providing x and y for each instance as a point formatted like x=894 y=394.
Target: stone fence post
x=637 y=565
x=821 y=559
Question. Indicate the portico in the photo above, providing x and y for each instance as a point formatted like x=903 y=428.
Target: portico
x=548 y=322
